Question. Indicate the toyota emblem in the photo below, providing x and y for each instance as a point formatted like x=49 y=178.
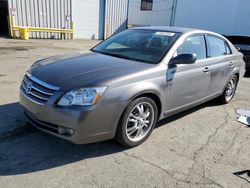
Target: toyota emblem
x=28 y=87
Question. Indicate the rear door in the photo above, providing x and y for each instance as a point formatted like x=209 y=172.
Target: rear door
x=221 y=63
x=188 y=83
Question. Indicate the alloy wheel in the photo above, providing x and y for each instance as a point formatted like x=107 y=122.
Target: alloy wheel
x=140 y=121
x=230 y=89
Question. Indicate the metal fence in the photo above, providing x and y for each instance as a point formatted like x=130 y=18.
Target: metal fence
x=42 y=13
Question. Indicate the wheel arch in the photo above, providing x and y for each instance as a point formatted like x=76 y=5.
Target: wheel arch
x=152 y=95
x=237 y=74
x=149 y=94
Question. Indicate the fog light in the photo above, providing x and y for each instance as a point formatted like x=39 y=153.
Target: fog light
x=69 y=131
x=65 y=131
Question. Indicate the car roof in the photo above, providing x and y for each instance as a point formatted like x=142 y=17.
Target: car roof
x=184 y=30
x=168 y=29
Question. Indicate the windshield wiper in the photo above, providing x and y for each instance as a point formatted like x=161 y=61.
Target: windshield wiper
x=111 y=54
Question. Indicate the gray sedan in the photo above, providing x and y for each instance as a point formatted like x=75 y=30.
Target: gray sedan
x=127 y=83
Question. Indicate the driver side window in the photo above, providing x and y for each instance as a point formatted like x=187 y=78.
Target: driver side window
x=194 y=45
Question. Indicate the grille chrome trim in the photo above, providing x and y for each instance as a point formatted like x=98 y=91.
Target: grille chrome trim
x=36 y=90
x=42 y=98
x=52 y=87
x=24 y=94
x=43 y=92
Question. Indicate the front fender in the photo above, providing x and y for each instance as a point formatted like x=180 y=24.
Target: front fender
x=145 y=88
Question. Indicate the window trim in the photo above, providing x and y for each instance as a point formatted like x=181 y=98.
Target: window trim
x=227 y=45
x=146 y=1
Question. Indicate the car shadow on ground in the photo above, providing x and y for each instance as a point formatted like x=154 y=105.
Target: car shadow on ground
x=180 y=115
x=29 y=150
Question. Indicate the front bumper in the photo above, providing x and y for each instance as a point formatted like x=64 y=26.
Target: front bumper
x=90 y=124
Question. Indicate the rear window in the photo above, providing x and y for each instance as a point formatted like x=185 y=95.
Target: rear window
x=217 y=47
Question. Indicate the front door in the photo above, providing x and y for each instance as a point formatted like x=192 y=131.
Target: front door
x=188 y=83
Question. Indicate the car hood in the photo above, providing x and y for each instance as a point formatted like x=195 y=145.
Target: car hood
x=84 y=70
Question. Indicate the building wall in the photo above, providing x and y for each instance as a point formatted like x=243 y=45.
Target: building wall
x=160 y=14
x=241 y=22
x=88 y=18
x=116 y=16
x=229 y=17
x=41 y=13
x=225 y=16
x=87 y=15
x=98 y=19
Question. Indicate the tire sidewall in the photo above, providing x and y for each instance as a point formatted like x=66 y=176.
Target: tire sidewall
x=122 y=126
x=224 y=94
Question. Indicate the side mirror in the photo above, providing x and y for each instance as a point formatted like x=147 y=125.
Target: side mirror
x=183 y=59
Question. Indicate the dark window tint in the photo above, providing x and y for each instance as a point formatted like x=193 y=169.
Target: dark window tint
x=194 y=45
x=216 y=46
x=146 y=4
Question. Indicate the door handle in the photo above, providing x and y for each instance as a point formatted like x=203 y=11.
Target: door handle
x=206 y=69
x=231 y=64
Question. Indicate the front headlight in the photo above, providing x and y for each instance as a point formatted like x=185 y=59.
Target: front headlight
x=82 y=97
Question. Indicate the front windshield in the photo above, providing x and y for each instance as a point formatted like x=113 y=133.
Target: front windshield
x=140 y=45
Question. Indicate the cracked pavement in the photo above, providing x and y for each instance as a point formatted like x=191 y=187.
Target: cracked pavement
x=201 y=147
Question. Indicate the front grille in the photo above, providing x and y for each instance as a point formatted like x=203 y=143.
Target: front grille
x=37 y=90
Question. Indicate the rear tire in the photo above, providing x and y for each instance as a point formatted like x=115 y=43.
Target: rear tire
x=137 y=122
x=230 y=90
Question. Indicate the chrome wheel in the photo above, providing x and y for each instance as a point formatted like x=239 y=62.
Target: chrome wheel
x=140 y=121
x=230 y=89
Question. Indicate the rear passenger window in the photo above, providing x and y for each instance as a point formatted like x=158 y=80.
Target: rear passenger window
x=194 y=45
x=217 y=47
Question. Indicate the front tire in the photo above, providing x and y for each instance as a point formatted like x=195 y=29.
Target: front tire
x=230 y=90
x=137 y=122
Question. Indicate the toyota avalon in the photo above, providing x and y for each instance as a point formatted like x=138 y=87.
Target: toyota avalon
x=127 y=83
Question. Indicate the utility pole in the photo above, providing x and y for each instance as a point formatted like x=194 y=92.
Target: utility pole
x=174 y=7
